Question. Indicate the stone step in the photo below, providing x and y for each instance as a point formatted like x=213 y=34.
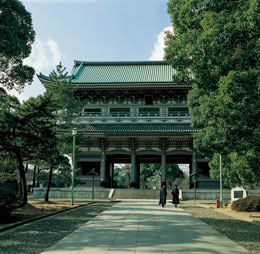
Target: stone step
x=137 y=194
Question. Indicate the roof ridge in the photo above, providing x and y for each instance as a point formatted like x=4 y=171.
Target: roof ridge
x=78 y=62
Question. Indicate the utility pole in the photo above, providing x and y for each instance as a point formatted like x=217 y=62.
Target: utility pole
x=220 y=179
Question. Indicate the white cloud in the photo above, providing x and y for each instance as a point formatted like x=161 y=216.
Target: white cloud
x=44 y=58
x=158 y=51
x=45 y=55
x=185 y=168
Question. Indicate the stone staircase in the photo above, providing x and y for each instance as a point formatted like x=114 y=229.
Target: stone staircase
x=137 y=194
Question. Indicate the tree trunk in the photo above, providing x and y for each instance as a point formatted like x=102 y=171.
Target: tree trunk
x=22 y=175
x=20 y=185
x=26 y=168
x=37 y=178
x=48 y=186
x=34 y=175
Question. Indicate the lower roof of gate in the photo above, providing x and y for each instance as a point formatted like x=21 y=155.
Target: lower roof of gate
x=135 y=128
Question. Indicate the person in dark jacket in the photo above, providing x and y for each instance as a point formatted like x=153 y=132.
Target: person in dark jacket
x=163 y=194
x=175 y=195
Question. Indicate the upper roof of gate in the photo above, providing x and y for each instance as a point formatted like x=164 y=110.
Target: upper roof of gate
x=141 y=72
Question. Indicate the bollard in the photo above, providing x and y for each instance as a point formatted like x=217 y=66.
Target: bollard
x=218 y=203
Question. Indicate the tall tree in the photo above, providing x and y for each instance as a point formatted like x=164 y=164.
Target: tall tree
x=68 y=105
x=27 y=130
x=215 y=47
x=16 y=39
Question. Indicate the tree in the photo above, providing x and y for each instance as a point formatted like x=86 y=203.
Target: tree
x=151 y=173
x=216 y=47
x=27 y=130
x=68 y=105
x=122 y=176
x=16 y=39
x=57 y=162
x=147 y=171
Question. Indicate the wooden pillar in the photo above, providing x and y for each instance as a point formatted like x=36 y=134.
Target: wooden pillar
x=133 y=171
x=133 y=176
x=138 y=173
x=163 y=167
x=103 y=167
x=163 y=161
x=103 y=179
x=111 y=174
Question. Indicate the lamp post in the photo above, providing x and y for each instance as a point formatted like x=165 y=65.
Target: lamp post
x=220 y=179
x=74 y=134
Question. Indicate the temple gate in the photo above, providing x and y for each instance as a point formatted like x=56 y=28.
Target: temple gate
x=133 y=113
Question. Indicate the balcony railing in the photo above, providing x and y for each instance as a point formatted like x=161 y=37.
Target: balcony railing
x=181 y=115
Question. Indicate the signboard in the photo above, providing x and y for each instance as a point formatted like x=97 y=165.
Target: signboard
x=237 y=193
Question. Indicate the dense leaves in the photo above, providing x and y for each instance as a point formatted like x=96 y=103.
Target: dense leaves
x=16 y=39
x=149 y=175
x=27 y=131
x=9 y=200
x=68 y=106
x=215 y=47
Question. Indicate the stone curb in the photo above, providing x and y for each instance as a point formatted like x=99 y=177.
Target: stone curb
x=14 y=225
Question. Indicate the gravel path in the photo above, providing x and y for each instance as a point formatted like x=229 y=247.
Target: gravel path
x=35 y=237
x=244 y=233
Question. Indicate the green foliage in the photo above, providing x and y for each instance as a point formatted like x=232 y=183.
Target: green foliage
x=182 y=183
x=215 y=48
x=150 y=174
x=28 y=128
x=62 y=169
x=122 y=176
x=42 y=177
x=62 y=179
x=7 y=102
x=8 y=180
x=6 y=177
x=173 y=172
x=7 y=163
x=17 y=37
x=247 y=204
x=8 y=202
x=27 y=131
x=68 y=105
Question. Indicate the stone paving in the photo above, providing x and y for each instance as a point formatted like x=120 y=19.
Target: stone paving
x=133 y=226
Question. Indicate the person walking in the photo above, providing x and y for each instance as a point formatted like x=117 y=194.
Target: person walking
x=175 y=195
x=163 y=194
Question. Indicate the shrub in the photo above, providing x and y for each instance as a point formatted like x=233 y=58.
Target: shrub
x=9 y=200
x=8 y=181
x=248 y=204
x=6 y=177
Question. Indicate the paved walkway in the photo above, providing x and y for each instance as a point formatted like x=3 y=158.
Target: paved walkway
x=145 y=227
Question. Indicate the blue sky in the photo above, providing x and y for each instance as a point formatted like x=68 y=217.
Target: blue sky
x=94 y=30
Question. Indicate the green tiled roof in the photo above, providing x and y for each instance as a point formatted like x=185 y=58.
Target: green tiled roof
x=120 y=72
x=136 y=128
